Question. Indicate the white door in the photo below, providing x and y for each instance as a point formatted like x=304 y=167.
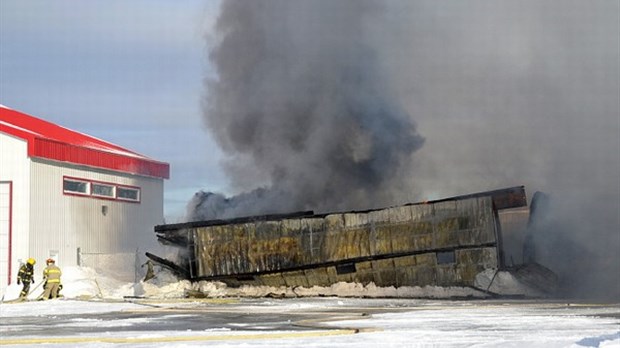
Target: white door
x=5 y=235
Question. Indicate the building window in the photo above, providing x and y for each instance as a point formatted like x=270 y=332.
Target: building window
x=128 y=193
x=103 y=190
x=75 y=186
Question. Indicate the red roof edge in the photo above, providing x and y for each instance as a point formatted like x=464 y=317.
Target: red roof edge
x=53 y=142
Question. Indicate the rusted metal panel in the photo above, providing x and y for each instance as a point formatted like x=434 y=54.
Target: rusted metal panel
x=317 y=276
x=313 y=239
x=445 y=242
x=348 y=240
x=512 y=197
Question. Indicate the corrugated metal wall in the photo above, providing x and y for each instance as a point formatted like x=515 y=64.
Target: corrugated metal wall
x=60 y=151
x=60 y=224
x=444 y=243
x=514 y=228
x=15 y=168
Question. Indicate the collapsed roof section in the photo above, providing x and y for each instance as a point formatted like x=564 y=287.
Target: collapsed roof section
x=445 y=242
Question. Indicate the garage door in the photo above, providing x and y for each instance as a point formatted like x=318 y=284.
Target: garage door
x=5 y=234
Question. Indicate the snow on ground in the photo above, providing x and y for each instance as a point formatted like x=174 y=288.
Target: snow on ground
x=436 y=323
x=85 y=283
x=494 y=326
x=427 y=324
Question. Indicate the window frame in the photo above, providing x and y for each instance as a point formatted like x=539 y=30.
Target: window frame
x=77 y=180
x=90 y=194
x=105 y=184
x=128 y=188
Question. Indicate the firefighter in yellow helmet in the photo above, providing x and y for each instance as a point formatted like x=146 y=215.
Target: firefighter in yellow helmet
x=51 y=275
x=25 y=276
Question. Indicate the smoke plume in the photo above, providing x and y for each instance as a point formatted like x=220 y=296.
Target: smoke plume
x=303 y=109
x=521 y=92
x=314 y=103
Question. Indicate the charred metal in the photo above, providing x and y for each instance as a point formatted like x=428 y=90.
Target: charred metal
x=444 y=242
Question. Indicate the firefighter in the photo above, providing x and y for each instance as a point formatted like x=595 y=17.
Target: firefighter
x=58 y=294
x=51 y=274
x=25 y=276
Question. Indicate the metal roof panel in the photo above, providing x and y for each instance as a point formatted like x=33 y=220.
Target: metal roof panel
x=51 y=141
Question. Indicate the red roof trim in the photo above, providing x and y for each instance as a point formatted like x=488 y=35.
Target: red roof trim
x=50 y=141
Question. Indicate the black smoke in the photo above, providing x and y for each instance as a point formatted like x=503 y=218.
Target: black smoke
x=313 y=103
x=302 y=107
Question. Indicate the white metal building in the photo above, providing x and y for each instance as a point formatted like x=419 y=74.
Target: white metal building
x=64 y=194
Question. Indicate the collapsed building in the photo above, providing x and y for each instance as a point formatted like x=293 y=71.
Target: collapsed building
x=447 y=242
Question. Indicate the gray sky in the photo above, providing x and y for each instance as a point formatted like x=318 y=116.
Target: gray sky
x=127 y=72
x=510 y=93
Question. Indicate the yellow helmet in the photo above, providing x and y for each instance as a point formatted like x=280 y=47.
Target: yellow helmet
x=31 y=261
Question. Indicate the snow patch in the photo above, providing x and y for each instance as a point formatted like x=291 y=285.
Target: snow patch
x=504 y=283
x=85 y=283
x=341 y=289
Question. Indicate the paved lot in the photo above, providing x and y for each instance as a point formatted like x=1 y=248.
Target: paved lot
x=141 y=321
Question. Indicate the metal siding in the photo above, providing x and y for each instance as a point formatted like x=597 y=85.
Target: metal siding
x=5 y=232
x=65 y=222
x=14 y=168
x=394 y=246
x=64 y=152
x=514 y=228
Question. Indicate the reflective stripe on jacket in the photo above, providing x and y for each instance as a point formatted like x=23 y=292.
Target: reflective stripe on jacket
x=25 y=273
x=52 y=274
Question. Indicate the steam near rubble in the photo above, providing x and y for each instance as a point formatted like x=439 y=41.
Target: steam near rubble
x=303 y=110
